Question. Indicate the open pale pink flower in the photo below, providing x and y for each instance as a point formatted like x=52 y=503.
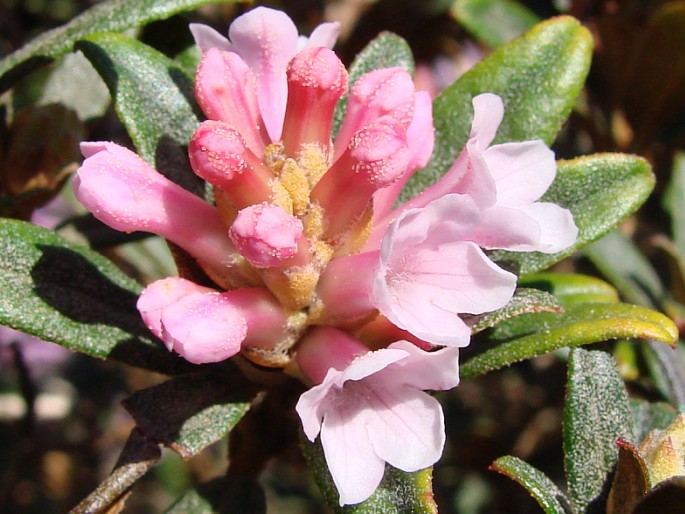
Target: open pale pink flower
x=506 y=181
x=431 y=271
x=372 y=409
x=266 y=40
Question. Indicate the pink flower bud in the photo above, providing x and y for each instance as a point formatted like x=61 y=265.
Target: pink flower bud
x=226 y=90
x=345 y=287
x=127 y=194
x=203 y=325
x=323 y=348
x=218 y=154
x=316 y=81
x=377 y=156
x=266 y=235
x=385 y=92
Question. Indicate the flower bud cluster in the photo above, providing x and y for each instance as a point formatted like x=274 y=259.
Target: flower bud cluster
x=313 y=268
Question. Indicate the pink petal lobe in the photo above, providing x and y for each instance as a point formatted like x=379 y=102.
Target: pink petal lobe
x=266 y=39
x=558 y=231
x=522 y=171
x=351 y=459
x=325 y=34
x=430 y=273
x=406 y=427
x=437 y=370
x=488 y=113
x=207 y=38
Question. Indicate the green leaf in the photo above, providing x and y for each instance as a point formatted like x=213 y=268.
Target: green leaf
x=619 y=259
x=387 y=50
x=648 y=416
x=538 y=75
x=112 y=16
x=398 y=493
x=190 y=412
x=572 y=287
x=160 y=119
x=674 y=202
x=667 y=369
x=89 y=100
x=137 y=457
x=529 y=335
x=540 y=487
x=72 y=296
x=622 y=262
x=596 y=414
x=600 y=190
x=524 y=301
x=494 y=22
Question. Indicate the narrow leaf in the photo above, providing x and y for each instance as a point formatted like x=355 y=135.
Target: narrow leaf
x=572 y=287
x=398 y=493
x=112 y=16
x=596 y=414
x=494 y=22
x=529 y=335
x=72 y=296
x=648 y=416
x=159 y=119
x=674 y=202
x=137 y=457
x=190 y=412
x=387 y=50
x=540 y=487
x=524 y=301
x=619 y=259
x=600 y=190
x=622 y=262
x=538 y=75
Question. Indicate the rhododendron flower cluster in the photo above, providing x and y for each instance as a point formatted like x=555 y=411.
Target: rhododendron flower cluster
x=309 y=265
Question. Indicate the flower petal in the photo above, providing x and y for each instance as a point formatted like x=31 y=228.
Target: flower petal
x=487 y=116
x=266 y=39
x=522 y=171
x=558 y=231
x=406 y=427
x=325 y=34
x=351 y=459
x=430 y=271
x=207 y=38
x=437 y=370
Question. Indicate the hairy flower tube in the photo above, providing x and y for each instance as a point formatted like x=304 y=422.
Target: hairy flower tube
x=309 y=265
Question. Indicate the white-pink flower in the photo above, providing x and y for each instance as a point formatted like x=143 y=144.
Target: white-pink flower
x=431 y=271
x=506 y=182
x=372 y=409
